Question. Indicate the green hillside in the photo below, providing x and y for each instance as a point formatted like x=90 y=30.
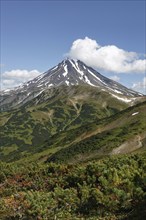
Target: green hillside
x=26 y=129
x=121 y=133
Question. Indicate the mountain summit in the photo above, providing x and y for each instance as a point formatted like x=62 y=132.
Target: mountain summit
x=74 y=72
x=69 y=72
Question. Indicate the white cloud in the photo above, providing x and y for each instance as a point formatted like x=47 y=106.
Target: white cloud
x=10 y=79
x=23 y=74
x=108 y=58
x=115 y=78
x=140 y=86
x=8 y=82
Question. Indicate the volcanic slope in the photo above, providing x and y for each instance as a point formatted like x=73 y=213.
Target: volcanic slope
x=68 y=72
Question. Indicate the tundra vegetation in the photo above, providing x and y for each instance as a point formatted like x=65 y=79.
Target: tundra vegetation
x=110 y=188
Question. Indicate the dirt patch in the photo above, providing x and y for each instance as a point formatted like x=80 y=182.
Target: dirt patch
x=130 y=145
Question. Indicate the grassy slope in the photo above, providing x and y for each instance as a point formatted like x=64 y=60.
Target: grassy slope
x=95 y=140
x=26 y=129
x=121 y=133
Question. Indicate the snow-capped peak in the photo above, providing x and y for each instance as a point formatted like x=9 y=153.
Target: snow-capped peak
x=69 y=72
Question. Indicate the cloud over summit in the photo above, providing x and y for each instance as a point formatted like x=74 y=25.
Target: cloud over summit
x=109 y=58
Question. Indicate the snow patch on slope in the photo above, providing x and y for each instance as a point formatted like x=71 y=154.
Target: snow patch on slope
x=76 y=67
x=67 y=82
x=66 y=71
x=135 y=113
x=95 y=76
x=88 y=81
x=122 y=99
x=117 y=91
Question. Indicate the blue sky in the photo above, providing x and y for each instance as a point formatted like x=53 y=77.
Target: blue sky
x=36 y=35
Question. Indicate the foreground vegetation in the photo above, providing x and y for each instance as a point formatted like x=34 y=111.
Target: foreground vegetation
x=112 y=188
